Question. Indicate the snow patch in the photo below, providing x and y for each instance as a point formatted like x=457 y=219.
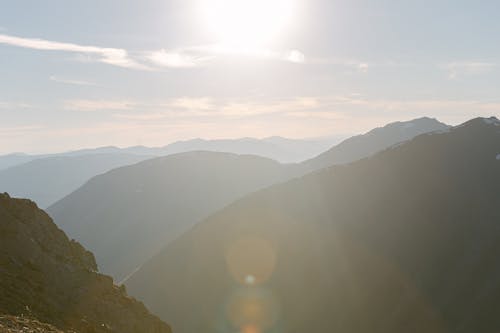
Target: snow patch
x=498 y=157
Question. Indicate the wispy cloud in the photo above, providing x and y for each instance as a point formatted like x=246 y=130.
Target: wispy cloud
x=460 y=68
x=14 y=105
x=15 y=130
x=72 y=81
x=107 y=55
x=296 y=56
x=97 y=105
x=174 y=59
x=188 y=57
x=199 y=103
x=196 y=56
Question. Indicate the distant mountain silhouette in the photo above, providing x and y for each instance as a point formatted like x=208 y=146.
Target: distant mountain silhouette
x=49 y=179
x=126 y=215
x=405 y=241
x=45 y=277
x=277 y=148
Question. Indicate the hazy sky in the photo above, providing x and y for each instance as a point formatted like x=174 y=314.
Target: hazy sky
x=116 y=72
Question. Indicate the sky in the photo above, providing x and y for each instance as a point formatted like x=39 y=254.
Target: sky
x=91 y=73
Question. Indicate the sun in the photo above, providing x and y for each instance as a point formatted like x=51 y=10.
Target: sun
x=246 y=23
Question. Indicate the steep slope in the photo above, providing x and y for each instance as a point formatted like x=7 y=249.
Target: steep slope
x=376 y=140
x=405 y=241
x=46 y=276
x=49 y=179
x=127 y=214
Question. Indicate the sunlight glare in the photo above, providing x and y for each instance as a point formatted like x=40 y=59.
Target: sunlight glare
x=246 y=23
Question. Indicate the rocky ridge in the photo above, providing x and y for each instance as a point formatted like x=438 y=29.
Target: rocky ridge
x=47 y=276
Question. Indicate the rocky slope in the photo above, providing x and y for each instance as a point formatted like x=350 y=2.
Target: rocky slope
x=46 y=276
x=16 y=324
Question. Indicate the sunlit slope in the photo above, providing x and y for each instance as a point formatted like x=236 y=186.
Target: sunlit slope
x=405 y=241
x=125 y=215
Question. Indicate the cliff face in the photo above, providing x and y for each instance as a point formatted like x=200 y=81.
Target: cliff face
x=45 y=275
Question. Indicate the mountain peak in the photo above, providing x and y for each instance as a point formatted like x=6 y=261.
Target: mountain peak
x=481 y=121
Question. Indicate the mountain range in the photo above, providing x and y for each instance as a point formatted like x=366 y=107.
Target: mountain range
x=406 y=240
x=278 y=148
x=47 y=178
x=128 y=214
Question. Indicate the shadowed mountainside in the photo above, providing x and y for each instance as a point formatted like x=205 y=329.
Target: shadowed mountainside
x=46 y=276
x=126 y=215
x=405 y=241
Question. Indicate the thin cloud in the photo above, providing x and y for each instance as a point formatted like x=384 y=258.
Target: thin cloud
x=111 y=56
x=15 y=130
x=97 y=105
x=14 y=105
x=201 y=55
x=163 y=58
x=460 y=68
x=153 y=60
x=72 y=82
x=296 y=56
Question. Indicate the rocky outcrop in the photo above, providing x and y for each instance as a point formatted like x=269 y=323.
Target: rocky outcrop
x=14 y=324
x=47 y=276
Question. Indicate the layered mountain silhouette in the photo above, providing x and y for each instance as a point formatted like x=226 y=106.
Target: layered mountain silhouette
x=49 y=179
x=126 y=215
x=48 y=281
x=46 y=179
x=278 y=148
x=407 y=240
x=281 y=149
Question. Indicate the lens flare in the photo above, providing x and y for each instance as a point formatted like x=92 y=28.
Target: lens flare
x=252 y=310
x=251 y=261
